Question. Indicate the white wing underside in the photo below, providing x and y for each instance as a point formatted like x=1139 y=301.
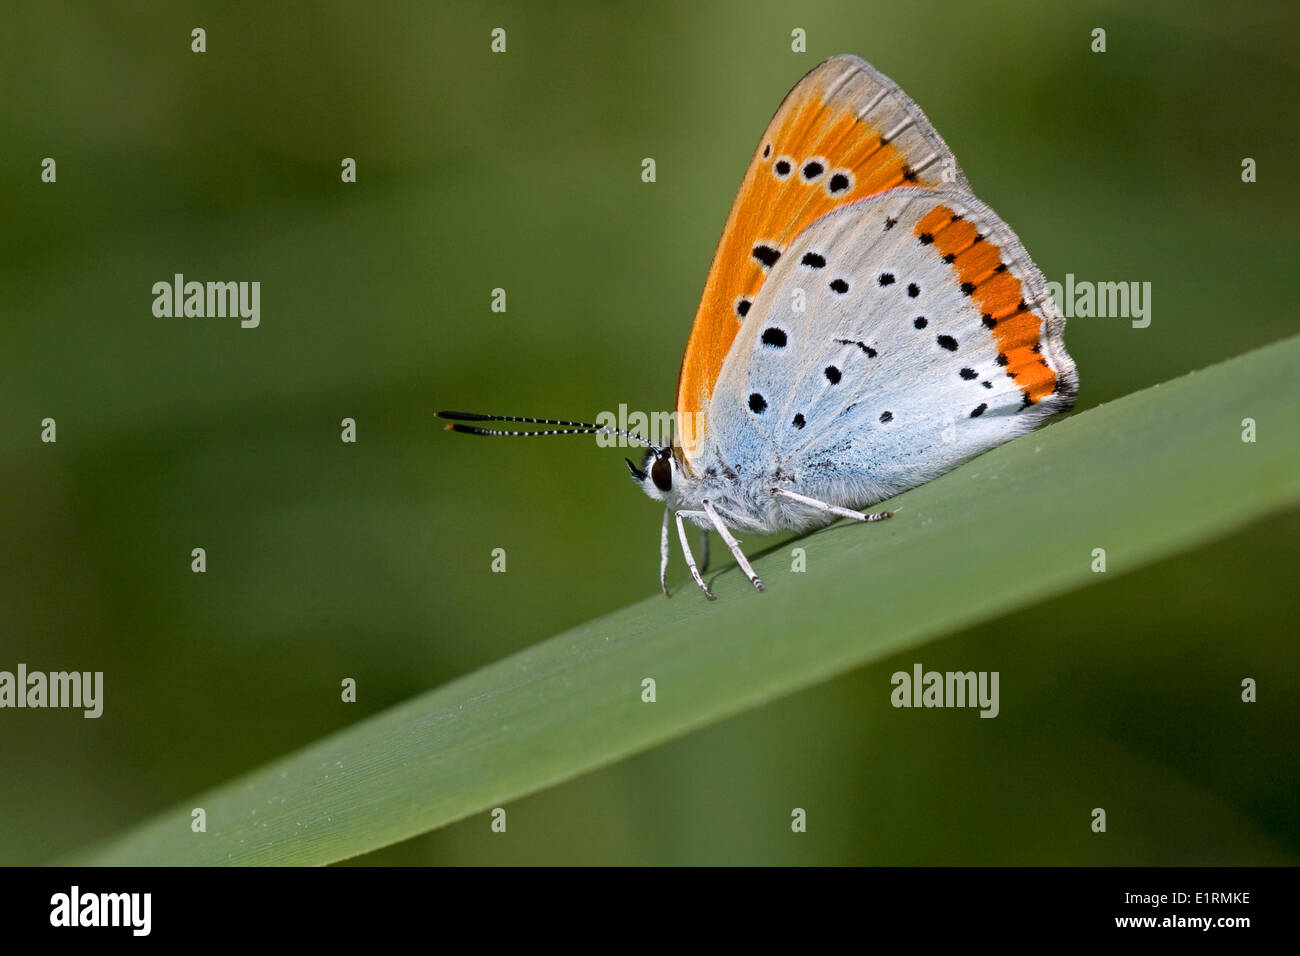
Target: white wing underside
x=909 y=403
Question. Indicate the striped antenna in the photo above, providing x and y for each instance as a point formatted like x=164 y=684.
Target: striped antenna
x=566 y=427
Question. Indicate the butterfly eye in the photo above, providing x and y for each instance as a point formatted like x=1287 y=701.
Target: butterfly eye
x=661 y=473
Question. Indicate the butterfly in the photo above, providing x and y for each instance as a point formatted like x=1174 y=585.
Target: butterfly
x=867 y=325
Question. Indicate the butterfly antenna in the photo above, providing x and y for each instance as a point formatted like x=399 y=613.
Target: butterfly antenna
x=566 y=427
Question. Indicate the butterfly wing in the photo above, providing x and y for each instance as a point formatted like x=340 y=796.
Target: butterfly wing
x=897 y=337
x=843 y=133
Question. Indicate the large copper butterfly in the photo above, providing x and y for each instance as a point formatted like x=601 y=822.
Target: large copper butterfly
x=866 y=326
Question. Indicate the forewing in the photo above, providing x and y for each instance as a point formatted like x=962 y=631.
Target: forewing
x=844 y=133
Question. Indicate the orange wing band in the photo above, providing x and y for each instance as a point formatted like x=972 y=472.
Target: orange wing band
x=1016 y=329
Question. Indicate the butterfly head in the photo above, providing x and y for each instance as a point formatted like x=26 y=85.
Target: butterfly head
x=659 y=473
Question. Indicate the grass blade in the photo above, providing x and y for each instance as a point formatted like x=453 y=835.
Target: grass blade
x=1143 y=477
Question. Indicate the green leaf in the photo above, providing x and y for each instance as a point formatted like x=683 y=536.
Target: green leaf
x=1142 y=478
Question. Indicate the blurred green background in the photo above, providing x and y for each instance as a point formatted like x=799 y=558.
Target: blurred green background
x=522 y=171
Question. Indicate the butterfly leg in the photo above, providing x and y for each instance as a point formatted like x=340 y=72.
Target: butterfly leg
x=663 y=553
x=686 y=551
x=729 y=539
x=833 y=509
